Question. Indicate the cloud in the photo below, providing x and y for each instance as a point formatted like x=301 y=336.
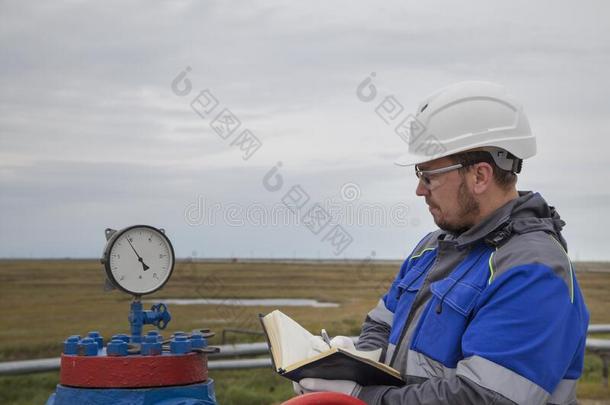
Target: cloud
x=91 y=133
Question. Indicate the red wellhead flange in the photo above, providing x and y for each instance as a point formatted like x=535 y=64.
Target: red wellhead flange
x=324 y=398
x=133 y=371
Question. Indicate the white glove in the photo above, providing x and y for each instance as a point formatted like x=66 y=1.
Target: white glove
x=343 y=342
x=317 y=384
x=296 y=387
x=318 y=345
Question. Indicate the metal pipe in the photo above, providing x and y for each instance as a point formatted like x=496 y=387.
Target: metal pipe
x=239 y=364
x=29 y=366
x=241 y=349
x=599 y=328
x=598 y=346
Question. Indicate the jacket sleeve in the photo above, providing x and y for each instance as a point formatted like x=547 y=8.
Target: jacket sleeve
x=376 y=329
x=526 y=329
x=438 y=391
x=374 y=335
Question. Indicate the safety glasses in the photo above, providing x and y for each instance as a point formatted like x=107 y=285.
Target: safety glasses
x=432 y=179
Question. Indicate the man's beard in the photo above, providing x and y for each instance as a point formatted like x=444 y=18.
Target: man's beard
x=469 y=208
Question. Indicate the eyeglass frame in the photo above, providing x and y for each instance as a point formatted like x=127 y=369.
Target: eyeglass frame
x=421 y=174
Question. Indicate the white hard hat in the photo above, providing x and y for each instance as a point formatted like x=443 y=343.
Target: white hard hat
x=469 y=115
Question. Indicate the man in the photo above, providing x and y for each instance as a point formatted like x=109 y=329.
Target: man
x=485 y=310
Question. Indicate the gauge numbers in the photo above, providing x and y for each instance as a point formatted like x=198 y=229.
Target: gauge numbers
x=140 y=259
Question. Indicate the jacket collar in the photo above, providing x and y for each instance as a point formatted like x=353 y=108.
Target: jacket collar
x=497 y=220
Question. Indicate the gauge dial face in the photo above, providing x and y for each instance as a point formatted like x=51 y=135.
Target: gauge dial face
x=140 y=259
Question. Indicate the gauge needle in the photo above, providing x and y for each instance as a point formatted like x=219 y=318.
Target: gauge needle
x=144 y=266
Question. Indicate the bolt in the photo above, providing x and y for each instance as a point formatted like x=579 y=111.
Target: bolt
x=156 y=334
x=117 y=347
x=88 y=347
x=71 y=344
x=180 y=344
x=95 y=335
x=198 y=341
x=122 y=336
x=151 y=346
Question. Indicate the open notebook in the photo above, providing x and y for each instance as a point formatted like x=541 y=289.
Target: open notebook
x=290 y=343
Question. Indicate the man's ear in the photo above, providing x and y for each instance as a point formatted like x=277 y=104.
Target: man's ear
x=483 y=175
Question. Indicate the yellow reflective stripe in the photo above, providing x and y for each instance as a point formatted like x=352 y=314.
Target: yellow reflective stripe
x=570 y=267
x=421 y=253
x=491 y=267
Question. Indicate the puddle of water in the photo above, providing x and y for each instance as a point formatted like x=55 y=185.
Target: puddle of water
x=246 y=302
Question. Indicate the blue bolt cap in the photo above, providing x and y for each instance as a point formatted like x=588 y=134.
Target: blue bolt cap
x=156 y=334
x=198 y=341
x=71 y=345
x=117 y=347
x=88 y=347
x=95 y=335
x=122 y=336
x=180 y=344
x=150 y=339
x=151 y=346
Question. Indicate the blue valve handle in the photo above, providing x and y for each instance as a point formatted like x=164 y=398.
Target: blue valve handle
x=163 y=317
x=158 y=315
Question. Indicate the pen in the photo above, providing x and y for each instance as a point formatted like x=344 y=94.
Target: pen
x=325 y=337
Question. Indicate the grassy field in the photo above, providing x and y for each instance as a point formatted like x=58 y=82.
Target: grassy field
x=45 y=301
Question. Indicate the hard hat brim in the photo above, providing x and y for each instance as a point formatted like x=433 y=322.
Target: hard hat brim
x=411 y=159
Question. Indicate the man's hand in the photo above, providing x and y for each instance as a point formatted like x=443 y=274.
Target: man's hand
x=343 y=342
x=318 y=345
x=307 y=385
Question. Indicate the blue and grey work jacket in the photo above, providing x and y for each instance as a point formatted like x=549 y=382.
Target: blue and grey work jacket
x=492 y=316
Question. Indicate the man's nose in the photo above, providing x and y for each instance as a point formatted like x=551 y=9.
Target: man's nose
x=421 y=190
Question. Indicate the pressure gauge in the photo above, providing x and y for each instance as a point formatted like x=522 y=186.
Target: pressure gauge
x=138 y=259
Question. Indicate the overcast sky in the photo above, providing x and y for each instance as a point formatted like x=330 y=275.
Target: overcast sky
x=92 y=134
